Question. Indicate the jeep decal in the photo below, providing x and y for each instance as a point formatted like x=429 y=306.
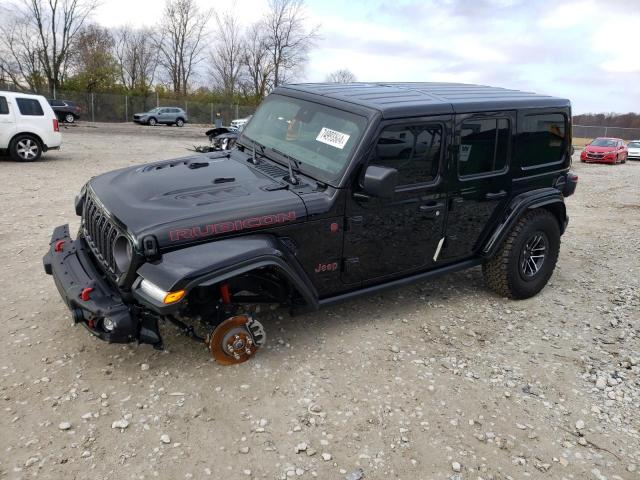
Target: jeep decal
x=208 y=230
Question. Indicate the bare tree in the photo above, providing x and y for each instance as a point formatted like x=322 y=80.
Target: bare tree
x=137 y=58
x=288 y=39
x=181 y=46
x=344 y=75
x=257 y=62
x=19 y=52
x=227 y=54
x=49 y=30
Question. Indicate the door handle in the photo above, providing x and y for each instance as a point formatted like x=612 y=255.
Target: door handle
x=496 y=195
x=431 y=207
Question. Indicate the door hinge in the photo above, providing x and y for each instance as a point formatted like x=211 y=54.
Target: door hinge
x=353 y=222
x=350 y=264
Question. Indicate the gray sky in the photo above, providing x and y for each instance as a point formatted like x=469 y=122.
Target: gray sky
x=585 y=50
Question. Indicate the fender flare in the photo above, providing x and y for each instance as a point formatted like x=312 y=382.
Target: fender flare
x=214 y=262
x=550 y=198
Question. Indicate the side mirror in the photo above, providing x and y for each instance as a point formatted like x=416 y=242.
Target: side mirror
x=380 y=181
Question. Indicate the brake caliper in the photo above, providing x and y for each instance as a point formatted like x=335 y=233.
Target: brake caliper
x=236 y=339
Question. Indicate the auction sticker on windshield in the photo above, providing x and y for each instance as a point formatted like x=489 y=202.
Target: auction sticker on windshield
x=333 y=138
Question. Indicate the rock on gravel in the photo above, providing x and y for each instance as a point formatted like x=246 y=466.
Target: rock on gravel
x=122 y=424
x=64 y=425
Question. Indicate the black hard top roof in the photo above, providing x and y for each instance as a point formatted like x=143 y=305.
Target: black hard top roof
x=413 y=99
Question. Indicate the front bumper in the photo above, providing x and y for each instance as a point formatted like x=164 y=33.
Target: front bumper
x=90 y=298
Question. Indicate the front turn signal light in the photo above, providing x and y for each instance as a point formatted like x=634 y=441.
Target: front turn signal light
x=173 y=297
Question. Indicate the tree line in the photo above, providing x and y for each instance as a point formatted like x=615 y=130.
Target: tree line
x=619 y=120
x=50 y=45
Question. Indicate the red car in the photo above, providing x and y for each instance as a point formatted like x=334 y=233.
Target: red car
x=605 y=150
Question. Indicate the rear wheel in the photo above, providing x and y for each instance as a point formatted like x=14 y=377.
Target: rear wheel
x=527 y=258
x=180 y=122
x=25 y=148
x=69 y=118
x=152 y=122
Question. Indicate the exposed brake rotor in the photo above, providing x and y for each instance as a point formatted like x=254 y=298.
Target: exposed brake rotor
x=236 y=339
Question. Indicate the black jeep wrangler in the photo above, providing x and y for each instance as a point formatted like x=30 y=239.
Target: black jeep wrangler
x=332 y=191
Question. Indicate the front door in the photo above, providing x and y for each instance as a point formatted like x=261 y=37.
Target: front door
x=386 y=237
x=479 y=180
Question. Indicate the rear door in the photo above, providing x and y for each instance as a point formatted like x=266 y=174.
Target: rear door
x=479 y=179
x=388 y=237
x=7 y=121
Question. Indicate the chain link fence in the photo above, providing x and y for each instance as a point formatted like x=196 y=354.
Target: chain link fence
x=106 y=107
x=587 y=132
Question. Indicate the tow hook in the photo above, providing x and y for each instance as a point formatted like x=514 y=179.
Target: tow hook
x=236 y=339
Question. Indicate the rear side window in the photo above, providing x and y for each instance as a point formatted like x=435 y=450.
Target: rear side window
x=542 y=139
x=484 y=146
x=29 y=106
x=413 y=150
x=4 y=107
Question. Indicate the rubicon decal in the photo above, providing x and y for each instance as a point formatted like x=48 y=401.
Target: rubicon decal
x=211 y=229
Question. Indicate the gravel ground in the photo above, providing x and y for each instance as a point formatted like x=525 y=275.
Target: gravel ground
x=441 y=380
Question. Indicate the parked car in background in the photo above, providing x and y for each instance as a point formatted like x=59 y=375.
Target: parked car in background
x=633 y=150
x=240 y=123
x=65 y=110
x=165 y=115
x=28 y=126
x=605 y=150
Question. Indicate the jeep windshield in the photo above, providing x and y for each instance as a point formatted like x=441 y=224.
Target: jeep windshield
x=321 y=139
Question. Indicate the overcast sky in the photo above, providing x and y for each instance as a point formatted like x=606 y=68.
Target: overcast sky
x=584 y=50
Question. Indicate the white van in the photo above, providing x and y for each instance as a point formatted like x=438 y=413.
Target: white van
x=28 y=126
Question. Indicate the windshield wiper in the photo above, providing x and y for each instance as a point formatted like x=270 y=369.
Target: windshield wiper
x=290 y=161
x=254 y=144
x=254 y=160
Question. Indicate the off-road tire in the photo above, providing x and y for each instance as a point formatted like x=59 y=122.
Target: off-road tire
x=25 y=148
x=152 y=122
x=503 y=273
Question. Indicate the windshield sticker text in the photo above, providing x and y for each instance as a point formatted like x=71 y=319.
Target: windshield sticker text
x=333 y=138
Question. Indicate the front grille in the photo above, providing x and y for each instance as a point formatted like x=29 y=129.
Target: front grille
x=100 y=233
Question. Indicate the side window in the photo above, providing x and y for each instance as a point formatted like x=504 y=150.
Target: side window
x=484 y=146
x=56 y=103
x=4 y=106
x=542 y=139
x=413 y=150
x=29 y=106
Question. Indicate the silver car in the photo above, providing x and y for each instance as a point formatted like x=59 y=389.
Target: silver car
x=634 y=150
x=166 y=115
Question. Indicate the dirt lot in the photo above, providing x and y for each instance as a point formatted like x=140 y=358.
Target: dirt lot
x=441 y=380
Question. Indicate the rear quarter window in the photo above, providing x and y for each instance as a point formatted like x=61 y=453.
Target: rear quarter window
x=29 y=106
x=542 y=139
x=4 y=106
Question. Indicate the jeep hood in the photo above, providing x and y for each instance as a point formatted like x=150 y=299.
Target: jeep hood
x=197 y=198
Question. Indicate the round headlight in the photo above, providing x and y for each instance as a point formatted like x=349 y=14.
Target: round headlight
x=122 y=253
